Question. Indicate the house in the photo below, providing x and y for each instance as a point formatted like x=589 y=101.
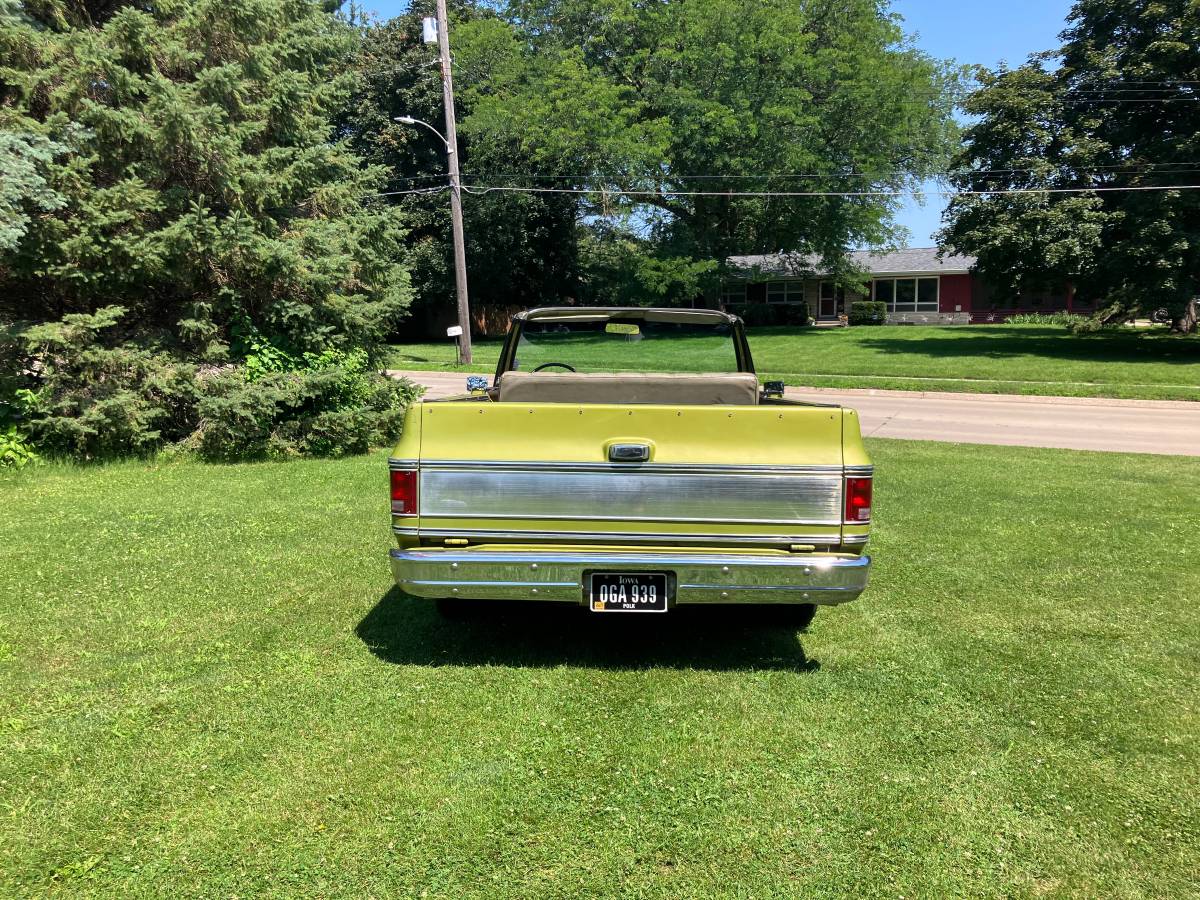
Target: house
x=917 y=285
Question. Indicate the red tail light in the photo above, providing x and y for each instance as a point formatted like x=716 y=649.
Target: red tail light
x=404 y=493
x=858 y=499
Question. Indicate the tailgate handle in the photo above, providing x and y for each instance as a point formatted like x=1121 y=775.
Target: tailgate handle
x=628 y=452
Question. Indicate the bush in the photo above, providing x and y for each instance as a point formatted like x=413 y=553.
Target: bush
x=15 y=450
x=90 y=395
x=94 y=396
x=773 y=313
x=1066 y=319
x=867 y=312
x=331 y=406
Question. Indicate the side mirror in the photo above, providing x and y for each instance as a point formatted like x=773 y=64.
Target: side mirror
x=476 y=384
x=773 y=389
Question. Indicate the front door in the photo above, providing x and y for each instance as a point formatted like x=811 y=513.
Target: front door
x=829 y=303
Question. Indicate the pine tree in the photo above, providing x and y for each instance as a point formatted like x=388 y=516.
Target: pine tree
x=201 y=184
x=179 y=161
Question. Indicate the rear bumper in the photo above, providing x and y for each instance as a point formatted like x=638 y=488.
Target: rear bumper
x=564 y=576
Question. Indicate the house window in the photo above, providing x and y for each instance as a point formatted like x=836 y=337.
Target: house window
x=785 y=291
x=907 y=294
x=885 y=292
x=733 y=292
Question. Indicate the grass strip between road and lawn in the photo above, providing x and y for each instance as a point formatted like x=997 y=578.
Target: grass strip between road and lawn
x=209 y=686
x=1147 y=364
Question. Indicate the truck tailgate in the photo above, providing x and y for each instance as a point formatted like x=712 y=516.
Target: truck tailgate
x=720 y=476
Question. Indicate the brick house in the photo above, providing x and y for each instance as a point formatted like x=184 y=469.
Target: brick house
x=917 y=286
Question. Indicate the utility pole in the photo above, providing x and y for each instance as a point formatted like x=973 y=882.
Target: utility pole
x=460 y=250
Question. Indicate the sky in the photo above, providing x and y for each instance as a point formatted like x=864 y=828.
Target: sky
x=985 y=32
x=969 y=31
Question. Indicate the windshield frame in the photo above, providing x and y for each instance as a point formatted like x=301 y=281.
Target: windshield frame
x=741 y=348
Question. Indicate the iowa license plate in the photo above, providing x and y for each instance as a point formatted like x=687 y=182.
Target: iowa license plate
x=629 y=592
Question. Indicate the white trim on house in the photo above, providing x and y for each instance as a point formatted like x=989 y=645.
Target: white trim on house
x=785 y=290
x=916 y=305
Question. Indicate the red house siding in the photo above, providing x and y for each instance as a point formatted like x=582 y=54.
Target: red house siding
x=955 y=291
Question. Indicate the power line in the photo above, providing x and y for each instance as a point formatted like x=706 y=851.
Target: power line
x=437 y=189
x=488 y=189
x=1116 y=168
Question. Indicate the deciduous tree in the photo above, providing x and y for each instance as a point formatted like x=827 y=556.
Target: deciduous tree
x=724 y=96
x=1116 y=106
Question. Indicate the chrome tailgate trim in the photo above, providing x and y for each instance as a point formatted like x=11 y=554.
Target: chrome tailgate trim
x=630 y=494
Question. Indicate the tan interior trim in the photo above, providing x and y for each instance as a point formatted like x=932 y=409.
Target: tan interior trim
x=704 y=389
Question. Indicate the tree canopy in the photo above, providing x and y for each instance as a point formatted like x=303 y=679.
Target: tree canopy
x=1115 y=106
x=520 y=248
x=188 y=250
x=670 y=99
x=179 y=160
x=666 y=100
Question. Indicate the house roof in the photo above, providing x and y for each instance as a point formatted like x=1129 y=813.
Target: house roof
x=915 y=260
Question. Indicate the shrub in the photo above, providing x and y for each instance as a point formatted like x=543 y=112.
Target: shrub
x=95 y=396
x=867 y=312
x=15 y=450
x=92 y=395
x=331 y=406
x=1065 y=319
x=795 y=314
x=774 y=313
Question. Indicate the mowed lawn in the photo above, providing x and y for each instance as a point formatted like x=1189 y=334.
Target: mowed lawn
x=1005 y=359
x=208 y=687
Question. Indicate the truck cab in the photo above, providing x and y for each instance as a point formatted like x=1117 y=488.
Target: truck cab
x=628 y=460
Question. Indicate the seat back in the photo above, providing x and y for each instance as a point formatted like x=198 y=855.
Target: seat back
x=717 y=389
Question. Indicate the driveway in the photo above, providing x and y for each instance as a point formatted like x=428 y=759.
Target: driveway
x=1128 y=426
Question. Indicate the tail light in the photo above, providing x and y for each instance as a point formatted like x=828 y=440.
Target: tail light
x=858 y=499
x=404 y=492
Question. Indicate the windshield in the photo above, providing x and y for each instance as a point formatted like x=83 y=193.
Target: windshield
x=626 y=345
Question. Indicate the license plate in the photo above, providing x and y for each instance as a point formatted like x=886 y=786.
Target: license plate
x=629 y=592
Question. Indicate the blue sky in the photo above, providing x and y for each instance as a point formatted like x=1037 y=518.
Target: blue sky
x=974 y=31
x=969 y=31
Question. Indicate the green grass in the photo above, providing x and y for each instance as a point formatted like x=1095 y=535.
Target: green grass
x=1005 y=359
x=208 y=687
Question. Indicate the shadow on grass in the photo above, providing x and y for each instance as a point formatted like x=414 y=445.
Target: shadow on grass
x=409 y=631
x=1048 y=343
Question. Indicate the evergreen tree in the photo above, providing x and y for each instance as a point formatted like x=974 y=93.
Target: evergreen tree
x=182 y=192
x=202 y=184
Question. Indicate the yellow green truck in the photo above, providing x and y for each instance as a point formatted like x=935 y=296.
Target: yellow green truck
x=586 y=474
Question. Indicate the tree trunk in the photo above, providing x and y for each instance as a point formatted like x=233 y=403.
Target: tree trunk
x=1185 y=321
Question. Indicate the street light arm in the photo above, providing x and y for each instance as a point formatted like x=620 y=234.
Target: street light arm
x=409 y=120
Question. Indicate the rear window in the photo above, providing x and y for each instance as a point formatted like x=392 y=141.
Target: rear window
x=620 y=345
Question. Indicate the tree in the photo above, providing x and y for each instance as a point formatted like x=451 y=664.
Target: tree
x=520 y=248
x=201 y=187
x=728 y=95
x=181 y=205
x=1119 y=110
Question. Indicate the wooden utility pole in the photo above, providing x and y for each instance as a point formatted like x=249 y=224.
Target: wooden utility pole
x=460 y=250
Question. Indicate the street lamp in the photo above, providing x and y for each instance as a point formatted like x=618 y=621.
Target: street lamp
x=460 y=250
x=409 y=120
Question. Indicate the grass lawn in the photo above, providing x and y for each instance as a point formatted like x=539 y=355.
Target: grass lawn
x=208 y=687
x=1005 y=359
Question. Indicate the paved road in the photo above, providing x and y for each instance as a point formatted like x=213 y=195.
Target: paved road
x=1131 y=426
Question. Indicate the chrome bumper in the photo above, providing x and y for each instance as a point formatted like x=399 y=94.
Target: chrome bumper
x=564 y=576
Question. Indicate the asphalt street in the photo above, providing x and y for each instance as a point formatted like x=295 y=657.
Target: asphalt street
x=1128 y=426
